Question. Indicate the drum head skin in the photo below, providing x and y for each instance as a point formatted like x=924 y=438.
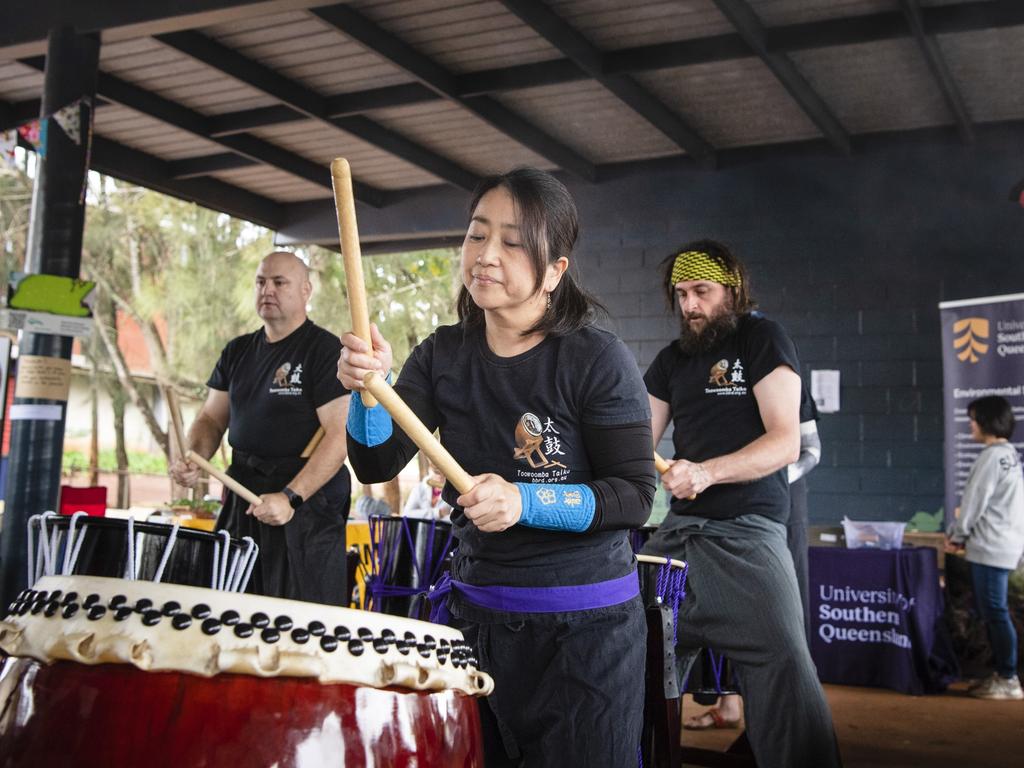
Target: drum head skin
x=167 y=627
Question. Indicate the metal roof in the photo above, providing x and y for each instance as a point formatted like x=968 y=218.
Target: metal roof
x=256 y=98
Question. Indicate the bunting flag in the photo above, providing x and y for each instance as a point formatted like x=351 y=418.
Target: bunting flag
x=8 y=141
x=34 y=133
x=69 y=118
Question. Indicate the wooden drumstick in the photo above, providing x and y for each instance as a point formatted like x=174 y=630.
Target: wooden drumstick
x=663 y=466
x=418 y=433
x=660 y=464
x=230 y=482
x=348 y=233
x=176 y=424
x=314 y=441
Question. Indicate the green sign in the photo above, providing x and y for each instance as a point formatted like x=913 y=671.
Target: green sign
x=50 y=293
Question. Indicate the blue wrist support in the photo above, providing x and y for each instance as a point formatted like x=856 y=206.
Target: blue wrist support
x=368 y=426
x=556 y=507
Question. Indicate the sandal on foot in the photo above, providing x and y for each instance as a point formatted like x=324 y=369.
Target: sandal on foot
x=699 y=723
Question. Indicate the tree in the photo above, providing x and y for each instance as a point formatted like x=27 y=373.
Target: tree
x=408 y=294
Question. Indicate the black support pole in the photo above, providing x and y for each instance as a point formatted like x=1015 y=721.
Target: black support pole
x=54 y=248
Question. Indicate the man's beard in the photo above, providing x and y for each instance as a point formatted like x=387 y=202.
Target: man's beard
x=716 y=329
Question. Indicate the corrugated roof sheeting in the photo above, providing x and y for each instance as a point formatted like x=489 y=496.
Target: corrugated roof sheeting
x=303 y=48
x=320 y=143
x=732 y=103
x=164 y=71
x=884 y=86
x=460 y=136
x=988 y=67
x=148 y=135
x=462 y=38
x=19 y=83
x=272 y=183
x=611 y=26
x=592 y=120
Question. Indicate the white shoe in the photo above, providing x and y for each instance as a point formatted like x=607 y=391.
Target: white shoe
x=998 y=688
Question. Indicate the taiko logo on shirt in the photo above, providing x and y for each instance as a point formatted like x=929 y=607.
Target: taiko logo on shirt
x=726 y=378
x=538 y=442
x=287 y=380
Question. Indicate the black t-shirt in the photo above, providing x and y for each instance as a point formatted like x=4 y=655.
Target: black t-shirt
x=521 y=417
x=275 y=388
x=714 y=412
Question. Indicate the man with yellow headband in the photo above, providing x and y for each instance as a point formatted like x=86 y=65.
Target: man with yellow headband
x=731 y=388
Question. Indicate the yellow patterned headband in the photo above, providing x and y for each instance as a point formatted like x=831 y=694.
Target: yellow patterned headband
x=697 y=265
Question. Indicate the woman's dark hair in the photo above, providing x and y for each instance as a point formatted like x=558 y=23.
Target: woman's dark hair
x=548 y=226
x=742 y=301
x=993 y=415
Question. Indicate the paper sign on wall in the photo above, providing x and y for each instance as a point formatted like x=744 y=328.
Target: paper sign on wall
x=48 y=378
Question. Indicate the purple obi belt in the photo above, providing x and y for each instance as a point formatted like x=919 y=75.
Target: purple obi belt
x=602 y=594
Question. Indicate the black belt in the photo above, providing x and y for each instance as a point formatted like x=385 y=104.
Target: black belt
x=285 y=465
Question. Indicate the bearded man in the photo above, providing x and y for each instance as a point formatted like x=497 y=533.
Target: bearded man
x=731 y=388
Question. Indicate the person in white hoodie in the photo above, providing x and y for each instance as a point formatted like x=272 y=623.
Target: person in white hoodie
x=990 y=529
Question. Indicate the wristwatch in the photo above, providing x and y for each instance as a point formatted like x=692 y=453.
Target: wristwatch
x=293 y=498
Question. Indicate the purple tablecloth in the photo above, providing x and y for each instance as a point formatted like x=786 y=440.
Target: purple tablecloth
x=877 y=619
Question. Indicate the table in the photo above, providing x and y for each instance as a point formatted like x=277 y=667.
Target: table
x=877 y=619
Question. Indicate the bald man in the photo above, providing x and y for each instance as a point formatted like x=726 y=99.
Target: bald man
x=271 y=390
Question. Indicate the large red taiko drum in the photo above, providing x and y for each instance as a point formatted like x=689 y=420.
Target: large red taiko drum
x=107 y=672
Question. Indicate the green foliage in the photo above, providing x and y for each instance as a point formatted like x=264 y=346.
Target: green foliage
x=15 y=200
x=177 y=264
x=408 y=294
x=142 y=463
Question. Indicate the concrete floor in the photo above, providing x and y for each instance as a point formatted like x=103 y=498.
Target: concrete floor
x=883 y=729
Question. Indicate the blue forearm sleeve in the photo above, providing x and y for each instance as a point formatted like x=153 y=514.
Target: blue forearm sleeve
x=368 y=426
x=556 y=507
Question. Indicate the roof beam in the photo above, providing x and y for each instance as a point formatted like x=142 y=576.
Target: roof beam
x=145 y=102
x=937 y=64
x=584 y=54
x=341 y=105
x=312 y=105
x=204 y=165
x=752 y=31
x=137 y=167
x=435 y=77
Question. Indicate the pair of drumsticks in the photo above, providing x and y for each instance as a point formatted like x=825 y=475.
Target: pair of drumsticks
x=178 y=430
x=378 y=388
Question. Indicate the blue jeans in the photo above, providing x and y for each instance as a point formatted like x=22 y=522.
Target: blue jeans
x=990 y=598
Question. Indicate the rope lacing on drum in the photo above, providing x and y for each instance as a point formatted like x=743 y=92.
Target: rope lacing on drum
x=171 y=539
x=670 y=588
x=131 y=569
x=380 y=562
x=241 y=578
x=40 y=557
x=717 y=667
x=74 y=543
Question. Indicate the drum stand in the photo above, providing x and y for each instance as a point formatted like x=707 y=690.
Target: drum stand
x=660 y=739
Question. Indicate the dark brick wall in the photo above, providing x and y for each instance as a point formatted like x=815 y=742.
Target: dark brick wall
x=852 y=255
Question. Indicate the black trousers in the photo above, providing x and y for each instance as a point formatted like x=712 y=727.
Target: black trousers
x=568 y=687
x=301 y=560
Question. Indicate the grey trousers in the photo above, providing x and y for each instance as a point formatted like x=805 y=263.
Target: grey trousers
x=742 y=600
